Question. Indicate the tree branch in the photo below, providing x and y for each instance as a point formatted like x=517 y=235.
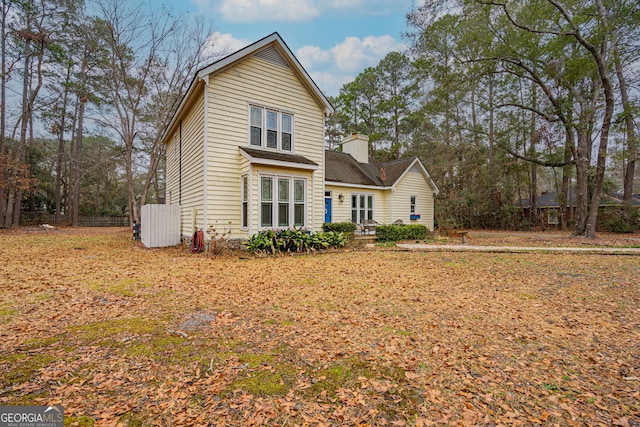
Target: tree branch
x=536 y=160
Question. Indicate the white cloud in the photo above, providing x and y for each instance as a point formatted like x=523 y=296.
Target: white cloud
x=219 y=45
x=332 y=68
x=330 y=82
x=314 y=56
x=329 y=68
x=226 y=42
x=246 y=11
x=365 y=7
x=268 y=10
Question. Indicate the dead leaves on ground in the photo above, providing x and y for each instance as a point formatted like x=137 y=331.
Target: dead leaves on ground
x=119 y=334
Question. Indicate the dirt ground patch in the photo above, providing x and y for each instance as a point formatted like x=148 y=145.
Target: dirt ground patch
x=123 y=335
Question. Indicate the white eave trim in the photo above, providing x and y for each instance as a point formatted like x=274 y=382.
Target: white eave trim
x=424 y=172
x=347 y=184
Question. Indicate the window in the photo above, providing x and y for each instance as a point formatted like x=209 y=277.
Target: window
x=552 y=216
x=287 y=126
x=256 y=126
x=290 y=209
x=361 y=207
x=270 y=129
x=266 y=201
x=283 y=202
x=413 y=204
x=298 y=202
x=245 y=201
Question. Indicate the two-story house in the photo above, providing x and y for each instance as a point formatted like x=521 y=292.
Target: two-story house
x=245 y=150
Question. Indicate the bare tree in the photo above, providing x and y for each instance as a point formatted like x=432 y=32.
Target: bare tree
x=183 y=53
x=141 y=48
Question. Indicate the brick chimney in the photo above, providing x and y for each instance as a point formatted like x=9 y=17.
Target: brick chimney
x=358 y=146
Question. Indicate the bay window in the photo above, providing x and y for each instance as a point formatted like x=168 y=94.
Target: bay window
x=289 y=207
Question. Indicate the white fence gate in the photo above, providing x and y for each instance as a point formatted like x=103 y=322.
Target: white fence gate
x=160 y=225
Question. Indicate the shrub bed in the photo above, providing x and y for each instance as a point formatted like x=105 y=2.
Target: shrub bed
x=293 y=240
x=394 y=233
x=340 y=227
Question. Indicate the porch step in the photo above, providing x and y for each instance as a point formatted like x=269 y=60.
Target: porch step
x=367 y=238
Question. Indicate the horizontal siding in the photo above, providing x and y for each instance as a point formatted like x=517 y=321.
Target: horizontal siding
x=341 y=212
x=192 y=165
x=414 y=183
x=230 y=93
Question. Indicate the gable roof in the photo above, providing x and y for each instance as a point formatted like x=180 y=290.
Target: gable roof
x=343 y=168
x=271 y=48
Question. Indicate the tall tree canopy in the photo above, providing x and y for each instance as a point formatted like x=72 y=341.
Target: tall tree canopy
x=116 y=74
x=503 y=98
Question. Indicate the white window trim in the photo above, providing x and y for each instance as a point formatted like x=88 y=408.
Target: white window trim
x=275 y=200
x=245 y=187
x=263 y=134
x=413 y=206
x=358 y=208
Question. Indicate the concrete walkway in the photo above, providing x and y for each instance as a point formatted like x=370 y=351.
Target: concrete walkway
x=518 y=249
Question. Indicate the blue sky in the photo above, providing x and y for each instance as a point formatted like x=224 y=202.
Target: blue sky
x=334 y=40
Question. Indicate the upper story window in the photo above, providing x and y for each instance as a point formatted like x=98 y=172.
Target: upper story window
x=413 y=204
x=271 y=129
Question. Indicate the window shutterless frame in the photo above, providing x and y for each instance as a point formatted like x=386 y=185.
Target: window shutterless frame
x=361 y=207
x=283 y=201
x=270 y=128
x=245 y=202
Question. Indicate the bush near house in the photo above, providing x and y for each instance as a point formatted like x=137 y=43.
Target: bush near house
x=394 y=233
x=293 y=240
x=340 y=227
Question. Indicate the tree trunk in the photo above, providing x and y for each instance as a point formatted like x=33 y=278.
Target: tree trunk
x=534 y=139
x=599 y=55
x=564 y=198
x=3 y=96
x=61 y=152
x=582 y=183
x=632 y=145
x=133 y=211
x=77 y=170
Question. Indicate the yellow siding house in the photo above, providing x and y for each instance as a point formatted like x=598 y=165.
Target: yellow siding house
x=245 y=152
x=359 y=188
x=245 y=148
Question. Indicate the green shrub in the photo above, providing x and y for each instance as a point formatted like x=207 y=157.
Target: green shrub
x=293 y=240
x=394 y=233
x=342 y=227
x=627 y=220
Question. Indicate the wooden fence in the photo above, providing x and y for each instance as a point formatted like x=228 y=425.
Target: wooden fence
x=37 y=218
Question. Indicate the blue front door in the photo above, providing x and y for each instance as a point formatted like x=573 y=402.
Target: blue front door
x=327 y=209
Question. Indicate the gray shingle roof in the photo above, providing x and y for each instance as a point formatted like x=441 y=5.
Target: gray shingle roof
x=341 y=167
x=279 y=156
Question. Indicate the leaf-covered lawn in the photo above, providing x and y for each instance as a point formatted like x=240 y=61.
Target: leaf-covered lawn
x=121 y=334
